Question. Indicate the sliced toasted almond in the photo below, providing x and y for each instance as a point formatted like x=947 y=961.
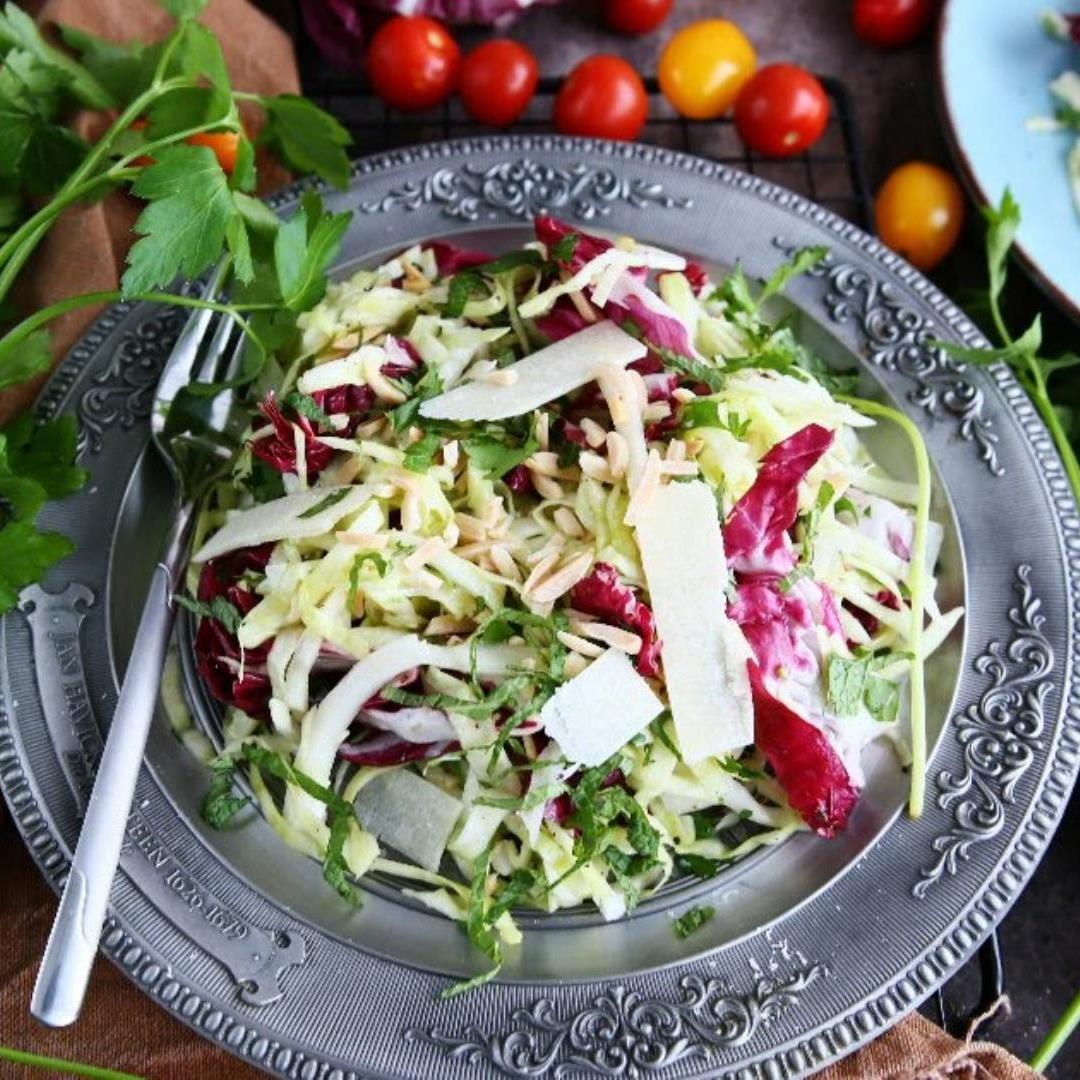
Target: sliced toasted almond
x=683 y=394
x=543 y=428
x=562 y=580
x=568 y=523
x=615 y=636
x=546 y=487
x=594 y=433
x=427 y=551
x=676 y=450
x=451 y=454
x=645 y=490
x=618 y=454
x=595 y=467
x=371 y=541
x=504 y=563
x=540 y=571
x=579 y=644
x=655 y=411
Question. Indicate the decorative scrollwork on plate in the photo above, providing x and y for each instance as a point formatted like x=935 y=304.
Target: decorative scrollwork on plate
x=623 y=1032
x=123 y=392
x=522 y=188
x=1000 y=734
x=899 y=338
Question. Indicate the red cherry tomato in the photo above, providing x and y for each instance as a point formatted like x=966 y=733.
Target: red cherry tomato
x=782 y=110
x=413 y=62
x=603 y=97
x=498 y=80
x=636 y=16
x=892 y=23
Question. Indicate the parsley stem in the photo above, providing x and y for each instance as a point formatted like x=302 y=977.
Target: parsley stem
x=917 y=583
x=110 y=296
x=1058 y=1036
x=62 y=1067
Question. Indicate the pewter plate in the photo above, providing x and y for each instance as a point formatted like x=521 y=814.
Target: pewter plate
x=817 y=946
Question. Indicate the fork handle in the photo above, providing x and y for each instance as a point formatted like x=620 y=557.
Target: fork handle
x=69 y=956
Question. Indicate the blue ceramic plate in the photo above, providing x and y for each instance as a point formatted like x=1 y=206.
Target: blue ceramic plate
x=995 y=62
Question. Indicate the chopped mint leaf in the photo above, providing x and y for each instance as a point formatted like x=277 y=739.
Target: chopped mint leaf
x=693 y=920
x=324 y=504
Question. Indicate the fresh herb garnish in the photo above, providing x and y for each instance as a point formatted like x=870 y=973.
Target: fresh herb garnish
x=358 y=563
x=420 y=455
x=693 y=920
x=221 y=804
x=737 y=768
x=563 y=249
x=324 y=504
x=340 y=814
x=195 y=215
x=496 y=457
x=219 y=608
x=307 y=406
x=856 y=683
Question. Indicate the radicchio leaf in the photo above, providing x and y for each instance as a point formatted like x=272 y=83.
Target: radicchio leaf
x=809 y=770
x=755 y=534
x=279 y=449
x=549 y=231
x=604 y=595
x=450 y=258
x=561 y=321
x=217 y=651
x=388 y=749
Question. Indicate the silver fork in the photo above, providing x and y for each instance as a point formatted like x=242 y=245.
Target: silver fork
x=209 y=349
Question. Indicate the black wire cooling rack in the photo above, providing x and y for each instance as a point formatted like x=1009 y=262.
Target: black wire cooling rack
x=832 y=173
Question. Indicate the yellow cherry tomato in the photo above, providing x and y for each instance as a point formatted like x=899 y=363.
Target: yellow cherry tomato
x=920 y=211
x=704 y=66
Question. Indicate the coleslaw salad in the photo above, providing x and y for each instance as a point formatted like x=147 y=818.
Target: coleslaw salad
x=546 y=577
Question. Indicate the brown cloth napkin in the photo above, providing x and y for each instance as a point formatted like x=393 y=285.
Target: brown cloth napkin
x=120 y=1028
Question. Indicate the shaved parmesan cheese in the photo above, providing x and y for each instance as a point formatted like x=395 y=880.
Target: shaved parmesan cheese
x=600 y=710
x=705 y=653
x=346 y=371
x=409 y=814
x=542 y=376
x=294 y=516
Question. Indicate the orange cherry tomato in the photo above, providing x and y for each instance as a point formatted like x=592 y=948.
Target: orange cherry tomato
x=782 y=110
x=413 y=62
x=704 y=66
x=498 y=80
x=225 y=144
x=603 y=97
x=920 y=211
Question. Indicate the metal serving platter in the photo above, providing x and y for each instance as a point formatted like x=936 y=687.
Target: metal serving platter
x=817 y=946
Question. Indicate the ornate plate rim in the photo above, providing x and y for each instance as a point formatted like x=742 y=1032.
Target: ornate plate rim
x=980 y=910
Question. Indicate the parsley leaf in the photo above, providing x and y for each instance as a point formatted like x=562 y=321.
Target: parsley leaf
x=429 y=385
x=18 y=30
x=304 y=248
x=493 y=456
x=184 y=9
x=307 y=138
x=220 y=805
x=182 y=230
x=45 y=453
x=25 y=556
x=693 y=920
x=564 y=248
x=307 y=406
x=219 y=609
x=421 y=454
x=803 y=260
